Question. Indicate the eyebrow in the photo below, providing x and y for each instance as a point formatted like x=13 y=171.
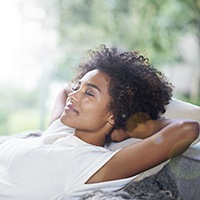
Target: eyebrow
x=91 y=85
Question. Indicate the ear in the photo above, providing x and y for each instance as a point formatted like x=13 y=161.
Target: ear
x=111 y=120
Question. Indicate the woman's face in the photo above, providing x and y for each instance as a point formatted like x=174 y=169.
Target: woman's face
x=87 y=107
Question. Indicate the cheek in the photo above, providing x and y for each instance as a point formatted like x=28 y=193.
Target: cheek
x=95 y=116
x=100 y=111
x=97 y=108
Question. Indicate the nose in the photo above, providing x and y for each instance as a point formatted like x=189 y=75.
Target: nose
x=73 y=96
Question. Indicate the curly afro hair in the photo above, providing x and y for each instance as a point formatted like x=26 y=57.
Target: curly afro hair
x=138 y=91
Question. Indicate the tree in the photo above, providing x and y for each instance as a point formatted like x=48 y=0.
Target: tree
x=151 y=25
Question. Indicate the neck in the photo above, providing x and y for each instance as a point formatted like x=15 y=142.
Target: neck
x=98 y=139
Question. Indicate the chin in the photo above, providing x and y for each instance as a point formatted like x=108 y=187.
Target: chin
x=65 y=120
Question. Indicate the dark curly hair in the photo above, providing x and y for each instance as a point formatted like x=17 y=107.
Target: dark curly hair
x=138 y=91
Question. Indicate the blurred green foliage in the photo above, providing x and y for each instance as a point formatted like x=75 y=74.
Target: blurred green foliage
x=151 y=26
x=16 y=104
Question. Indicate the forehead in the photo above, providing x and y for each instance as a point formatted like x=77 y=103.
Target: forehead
x=97 y=78
x=95 y=75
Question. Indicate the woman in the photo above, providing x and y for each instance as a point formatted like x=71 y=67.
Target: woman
x=117 y=95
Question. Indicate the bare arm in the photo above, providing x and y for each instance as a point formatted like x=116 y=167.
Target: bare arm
x=149 y=128
x=172 y=138
x=60 y=102
x=141 y=130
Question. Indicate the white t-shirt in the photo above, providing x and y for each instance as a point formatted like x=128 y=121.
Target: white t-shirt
x=55 y=166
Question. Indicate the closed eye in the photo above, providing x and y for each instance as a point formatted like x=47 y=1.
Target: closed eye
x=89 y=92
x=87 y=88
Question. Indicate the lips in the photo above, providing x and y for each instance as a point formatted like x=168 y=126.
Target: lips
x=70 y=108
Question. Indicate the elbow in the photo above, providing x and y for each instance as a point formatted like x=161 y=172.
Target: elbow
x=196 y=129
x=190 y=130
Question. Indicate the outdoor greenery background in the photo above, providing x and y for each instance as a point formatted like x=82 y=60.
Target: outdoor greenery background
x=154 y=27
